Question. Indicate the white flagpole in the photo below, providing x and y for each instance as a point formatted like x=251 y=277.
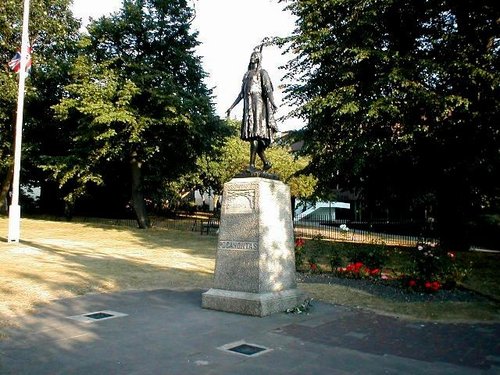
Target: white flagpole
x=15 y=209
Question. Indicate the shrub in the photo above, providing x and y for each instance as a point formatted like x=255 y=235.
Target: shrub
x=374 y=256
x=299 y=252
x=315 y=250
x=335 y=261
x=432 y=268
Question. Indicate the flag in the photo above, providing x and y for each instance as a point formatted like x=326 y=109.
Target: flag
x=15 y=62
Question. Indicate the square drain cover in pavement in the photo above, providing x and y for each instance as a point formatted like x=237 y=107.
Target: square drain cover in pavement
x=97 y=316
x=245 y=349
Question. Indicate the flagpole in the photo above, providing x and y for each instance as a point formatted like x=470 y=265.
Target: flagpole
x=15 y=209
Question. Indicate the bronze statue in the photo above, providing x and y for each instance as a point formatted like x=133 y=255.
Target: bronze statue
x=258 y=124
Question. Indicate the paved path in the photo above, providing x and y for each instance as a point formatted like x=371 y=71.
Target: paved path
x=167 y=332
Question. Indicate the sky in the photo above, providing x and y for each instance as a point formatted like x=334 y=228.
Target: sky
x=228 y=32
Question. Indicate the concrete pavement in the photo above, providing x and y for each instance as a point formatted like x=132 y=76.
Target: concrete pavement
x=167 y=332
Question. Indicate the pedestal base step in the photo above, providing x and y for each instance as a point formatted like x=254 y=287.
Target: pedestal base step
x=256 y=304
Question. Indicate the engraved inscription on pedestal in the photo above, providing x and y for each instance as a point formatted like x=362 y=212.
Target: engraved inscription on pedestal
x=238 y=245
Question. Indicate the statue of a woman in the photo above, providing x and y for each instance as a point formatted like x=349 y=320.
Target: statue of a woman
x=258 y=124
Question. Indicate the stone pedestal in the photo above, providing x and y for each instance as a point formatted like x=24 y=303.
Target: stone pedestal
x=255 y=264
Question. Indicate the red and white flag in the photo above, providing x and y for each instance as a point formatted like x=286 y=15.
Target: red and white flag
x=15 y=63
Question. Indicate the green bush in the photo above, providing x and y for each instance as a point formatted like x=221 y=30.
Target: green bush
x=431 y=268
x=373 y=256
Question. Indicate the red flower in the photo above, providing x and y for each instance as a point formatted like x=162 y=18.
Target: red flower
x=314 y=266
x=435 y=285
x=374 y=271
x=428 y=284
x=358 y=265
x=412 y=283
x=299 y=242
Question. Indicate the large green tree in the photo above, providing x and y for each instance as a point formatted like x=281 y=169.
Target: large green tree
x=401 y=99
x=137 y=100
x=53 y=32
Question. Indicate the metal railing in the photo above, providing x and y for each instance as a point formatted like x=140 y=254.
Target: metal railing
x=389 y=233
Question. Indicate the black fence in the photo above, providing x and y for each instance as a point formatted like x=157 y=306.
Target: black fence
x=179 y=222
x=390 y=233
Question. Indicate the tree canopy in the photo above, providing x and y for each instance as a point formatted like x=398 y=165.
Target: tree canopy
x=401 y=100
x=53 y=32
x=136 y=99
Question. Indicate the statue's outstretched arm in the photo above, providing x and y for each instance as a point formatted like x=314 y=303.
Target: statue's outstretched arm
x=238 y=99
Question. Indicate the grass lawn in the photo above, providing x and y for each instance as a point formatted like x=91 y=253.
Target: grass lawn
x=58 y=260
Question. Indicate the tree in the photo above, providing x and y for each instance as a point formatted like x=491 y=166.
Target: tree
x=52 y=34
x=97 y=105
x=138 y=99
x=231 y=158
x=401 y=99
x=292 y=170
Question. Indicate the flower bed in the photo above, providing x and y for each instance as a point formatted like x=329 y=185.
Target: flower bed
x=426 y=269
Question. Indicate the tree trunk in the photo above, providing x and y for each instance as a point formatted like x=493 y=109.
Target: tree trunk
x=137 y=192
x=4 y=191
x=452 y=215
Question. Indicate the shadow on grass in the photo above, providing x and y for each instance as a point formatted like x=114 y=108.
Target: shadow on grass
x=159 y=237
x=93 y=270
x=76 y=259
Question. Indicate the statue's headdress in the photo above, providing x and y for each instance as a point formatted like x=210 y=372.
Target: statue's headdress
x=258 y=51
x=259 y=48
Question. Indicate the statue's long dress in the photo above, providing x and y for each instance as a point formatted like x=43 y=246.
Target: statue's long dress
x=258 y=120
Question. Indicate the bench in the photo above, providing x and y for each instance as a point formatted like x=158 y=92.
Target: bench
x=210 y=223
x=198 y=219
